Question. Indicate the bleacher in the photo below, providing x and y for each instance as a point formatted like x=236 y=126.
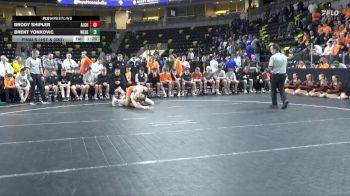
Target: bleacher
x=6 y=46
x=179 y=40
x=93 y=49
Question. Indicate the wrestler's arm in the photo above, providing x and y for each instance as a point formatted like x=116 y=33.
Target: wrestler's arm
x=136 y=103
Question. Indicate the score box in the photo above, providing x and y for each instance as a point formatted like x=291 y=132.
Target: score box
x=94 y=31
x=95 y=24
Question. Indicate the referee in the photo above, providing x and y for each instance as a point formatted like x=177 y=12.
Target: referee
x=278 y=67
x=35 y=67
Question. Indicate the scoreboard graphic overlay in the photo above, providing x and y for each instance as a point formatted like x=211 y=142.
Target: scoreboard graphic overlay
x=56 y=29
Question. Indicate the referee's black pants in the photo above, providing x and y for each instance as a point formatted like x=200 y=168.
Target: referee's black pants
x=277 y=82
x=37 y=81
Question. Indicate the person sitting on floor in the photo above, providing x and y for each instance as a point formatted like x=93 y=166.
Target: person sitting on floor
x=10 y=88
x=335 y=90
x=306 y=87
x=320 y=87
x=23 y=85
x=292 y=85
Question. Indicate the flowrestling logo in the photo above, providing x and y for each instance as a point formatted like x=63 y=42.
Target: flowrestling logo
x=330 y=12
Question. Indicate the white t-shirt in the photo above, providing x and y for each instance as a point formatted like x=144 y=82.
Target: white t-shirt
x=327 y=51
x=278 y=63
x=312 y=8
x=96 y=69
x=214 y=65
x=5 y=68
x=69 y=64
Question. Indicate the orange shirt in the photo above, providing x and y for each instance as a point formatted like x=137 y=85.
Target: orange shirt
x=9 y=82
x=335 y=50
x=316 y=16
x=347 y=40
x=325 y=66
x=151 y=65
x=346 y=13
x=128 y=76
x=326 y=29
x=197 y=75
x=179 y=67
x=85 y=64
x=165 y=76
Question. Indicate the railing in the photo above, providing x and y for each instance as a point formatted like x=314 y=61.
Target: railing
x=311 y=59
x=185 y=22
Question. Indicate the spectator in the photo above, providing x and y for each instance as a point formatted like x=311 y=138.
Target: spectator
x=153 y=80
x=141 y=77
x=96 y=68
x=220 y=80
x=301 y=65
x=50 y=65
x=85 y=63
x=51 y=84
x=178 y=66
x=256 y=44
x=35 y=67
x=128 y=76
x=10 y=88
x=109 y=64
x=337 y=64
x=176 y=78
x=7 y=66
x=17 y=65
x=312 y=7
x=117 y=80
x=64 y=83
x=22 y=85
x=247 y=79
x=197 y=79
x=69 y=64
x=90 y=82
x=231 y=80
x=102 y=83
x=323 y=64
x=169 y=64
x=166 y=81
x=214 y=64
x=187 y=80
x=77 y=83
x=152 y=63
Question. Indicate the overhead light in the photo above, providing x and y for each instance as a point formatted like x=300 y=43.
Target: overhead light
x=30 y=13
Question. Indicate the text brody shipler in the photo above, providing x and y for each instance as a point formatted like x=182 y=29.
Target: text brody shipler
x=34 y=32
x=31 y=24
